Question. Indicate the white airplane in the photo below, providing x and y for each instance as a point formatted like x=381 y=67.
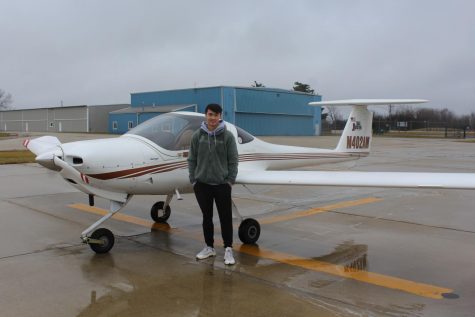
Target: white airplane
x=151 y=159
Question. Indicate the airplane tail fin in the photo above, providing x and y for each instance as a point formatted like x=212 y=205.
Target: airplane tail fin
x=357 y=135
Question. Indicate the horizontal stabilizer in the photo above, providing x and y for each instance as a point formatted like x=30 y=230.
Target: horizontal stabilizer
x=367 y=102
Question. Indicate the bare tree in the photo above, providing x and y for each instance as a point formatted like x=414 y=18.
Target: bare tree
x=334 y=116
x=5 y=100
x=425 y=117
x=405 y=113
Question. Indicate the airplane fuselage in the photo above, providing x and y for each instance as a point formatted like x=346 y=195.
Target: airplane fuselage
x=135 y=165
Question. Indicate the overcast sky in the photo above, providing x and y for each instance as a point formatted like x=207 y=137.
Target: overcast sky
x=98 y=52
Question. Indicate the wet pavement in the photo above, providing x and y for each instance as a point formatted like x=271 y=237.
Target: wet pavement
x=322 y=251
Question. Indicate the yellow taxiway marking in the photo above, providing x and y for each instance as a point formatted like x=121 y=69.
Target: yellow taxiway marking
x=421 y=289
x=313 y=211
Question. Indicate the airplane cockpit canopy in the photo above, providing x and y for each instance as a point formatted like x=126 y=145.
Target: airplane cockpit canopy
x=173 y=131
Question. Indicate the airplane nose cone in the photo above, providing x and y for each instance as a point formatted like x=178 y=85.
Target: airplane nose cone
x=46 y=160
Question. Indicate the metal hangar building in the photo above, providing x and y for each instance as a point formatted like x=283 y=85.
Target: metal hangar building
x=82 y=118
x=260 y=111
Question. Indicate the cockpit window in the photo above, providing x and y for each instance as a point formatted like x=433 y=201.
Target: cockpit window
x=171 y=131
x=243 y=136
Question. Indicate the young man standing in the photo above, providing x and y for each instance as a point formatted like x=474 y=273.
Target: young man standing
x=213 y=167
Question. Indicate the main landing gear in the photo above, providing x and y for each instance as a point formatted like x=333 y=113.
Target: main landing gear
x=249 y=229
x=101 y=240
x=161 y=211
x=248 y=232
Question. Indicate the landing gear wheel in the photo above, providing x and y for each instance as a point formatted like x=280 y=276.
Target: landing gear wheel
x=249 y=231
x=158 y=214
x=106 y=236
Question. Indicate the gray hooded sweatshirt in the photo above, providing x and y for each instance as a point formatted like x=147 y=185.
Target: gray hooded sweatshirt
x=213 y=157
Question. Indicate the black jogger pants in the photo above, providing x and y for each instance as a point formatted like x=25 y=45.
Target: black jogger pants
x=221 y=195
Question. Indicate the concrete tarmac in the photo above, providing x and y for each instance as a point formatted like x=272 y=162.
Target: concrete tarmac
x=322 y=251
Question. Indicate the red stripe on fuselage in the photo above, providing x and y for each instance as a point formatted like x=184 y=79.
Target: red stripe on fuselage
x=161 y=168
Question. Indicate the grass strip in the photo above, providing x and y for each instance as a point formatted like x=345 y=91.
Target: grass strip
x=16 y=157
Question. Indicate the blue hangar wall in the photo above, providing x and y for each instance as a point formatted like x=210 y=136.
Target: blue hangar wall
x=260 y=111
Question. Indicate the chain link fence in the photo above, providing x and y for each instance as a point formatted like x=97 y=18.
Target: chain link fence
x=430 y=129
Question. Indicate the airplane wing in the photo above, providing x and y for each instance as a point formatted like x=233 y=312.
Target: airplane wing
x=360 y=179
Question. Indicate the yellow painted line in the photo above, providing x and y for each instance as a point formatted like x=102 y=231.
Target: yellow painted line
x=420 y=289
x=313 y=211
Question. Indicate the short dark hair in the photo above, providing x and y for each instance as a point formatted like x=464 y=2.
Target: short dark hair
x=214 y=107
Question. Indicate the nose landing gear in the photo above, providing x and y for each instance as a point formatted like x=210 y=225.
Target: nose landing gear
x=101 y=240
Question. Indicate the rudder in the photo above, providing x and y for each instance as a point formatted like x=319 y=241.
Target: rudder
x=357 y=135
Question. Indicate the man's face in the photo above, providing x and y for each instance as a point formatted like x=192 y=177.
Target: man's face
x=212 y=119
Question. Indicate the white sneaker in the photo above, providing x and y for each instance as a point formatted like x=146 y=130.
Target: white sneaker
x=228 y=256
x=206 y=253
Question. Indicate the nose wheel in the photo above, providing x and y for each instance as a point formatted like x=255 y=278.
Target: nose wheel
x=101 y=240
x=249 y=231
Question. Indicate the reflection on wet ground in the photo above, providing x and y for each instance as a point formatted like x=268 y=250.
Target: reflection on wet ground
x=304 y=283
x=353 y=257
x=170 y=285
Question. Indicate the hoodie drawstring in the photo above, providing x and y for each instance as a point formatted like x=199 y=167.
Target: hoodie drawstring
x=218 y=130
x=209 y=141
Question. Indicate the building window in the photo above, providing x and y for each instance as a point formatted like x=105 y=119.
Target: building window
x=131 y=124
x=51 y=124
x=114 y=125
